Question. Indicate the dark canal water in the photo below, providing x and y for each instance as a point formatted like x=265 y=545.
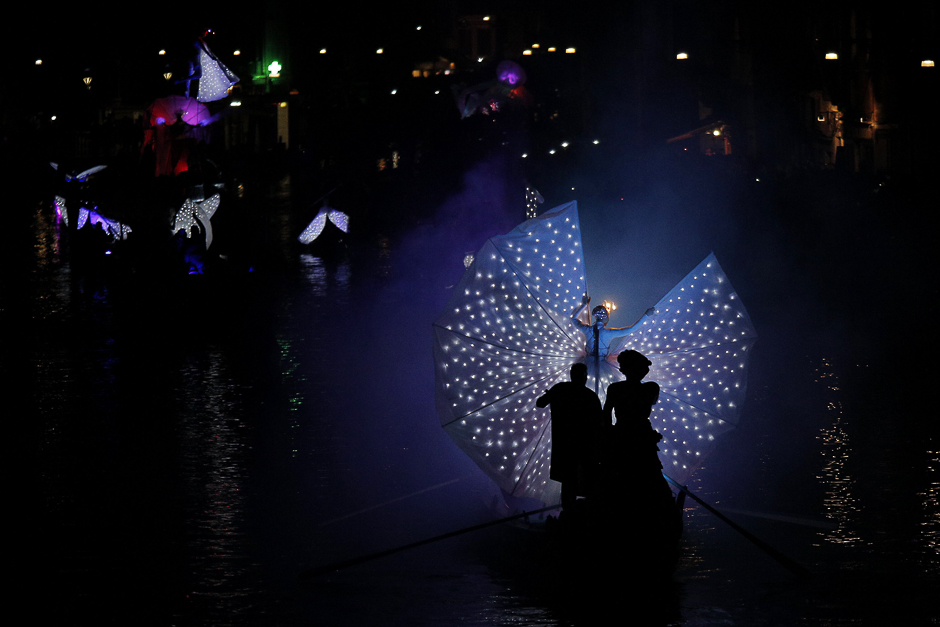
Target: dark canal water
x=183 y=447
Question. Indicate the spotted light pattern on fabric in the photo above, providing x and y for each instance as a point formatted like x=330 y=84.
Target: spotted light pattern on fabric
x=506 y=336
x=61 y=210
x=316 y=226
x=215 y=79
x=117 y=230
x=192 y=211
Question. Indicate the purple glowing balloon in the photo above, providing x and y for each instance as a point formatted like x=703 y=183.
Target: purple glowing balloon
x=511 y=73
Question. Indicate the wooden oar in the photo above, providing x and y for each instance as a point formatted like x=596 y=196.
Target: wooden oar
x=782 y=559
x=793 y=520
x=329 y=568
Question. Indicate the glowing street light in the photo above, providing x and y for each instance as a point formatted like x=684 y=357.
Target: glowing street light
x=927 y=63
x=274 y=70
x=681 y=56
x=832 y=56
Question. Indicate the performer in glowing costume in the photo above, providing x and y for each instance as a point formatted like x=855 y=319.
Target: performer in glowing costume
x=598 y=337
x=507 y=335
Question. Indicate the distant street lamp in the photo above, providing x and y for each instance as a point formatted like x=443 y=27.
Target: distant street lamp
x=274 y=69
x=168 y=75
x=87 y=81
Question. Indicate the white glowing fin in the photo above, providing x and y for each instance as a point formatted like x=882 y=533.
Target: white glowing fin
x=313 y=229
x=340 y=219
x=61 y=209
x=193 y=211
x=82 y=176
x=316 y=226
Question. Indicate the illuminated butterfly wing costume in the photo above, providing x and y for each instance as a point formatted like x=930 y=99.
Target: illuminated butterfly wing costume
x=215 y=78
x=506 y=335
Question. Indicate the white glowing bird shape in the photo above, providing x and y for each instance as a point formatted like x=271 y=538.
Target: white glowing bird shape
x=316 y=226
x=507 y=335
x=193 y=211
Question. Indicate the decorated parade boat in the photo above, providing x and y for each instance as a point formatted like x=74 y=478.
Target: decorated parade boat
x=509 y=332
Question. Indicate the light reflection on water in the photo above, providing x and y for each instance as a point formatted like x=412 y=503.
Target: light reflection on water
x=930 y=527
x=840 y=503
x=213 y=440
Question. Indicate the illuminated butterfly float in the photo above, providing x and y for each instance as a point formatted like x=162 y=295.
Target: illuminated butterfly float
x=88 y=212
x=339 y=219
x=508 y=333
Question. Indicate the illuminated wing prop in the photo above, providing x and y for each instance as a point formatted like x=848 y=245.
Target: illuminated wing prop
x=506 y=335
x=83 y=176
x=214 y=79
x=313 y=230
x=194 y=211
x=117 y=230
x=699 y=341
x=61 y=210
